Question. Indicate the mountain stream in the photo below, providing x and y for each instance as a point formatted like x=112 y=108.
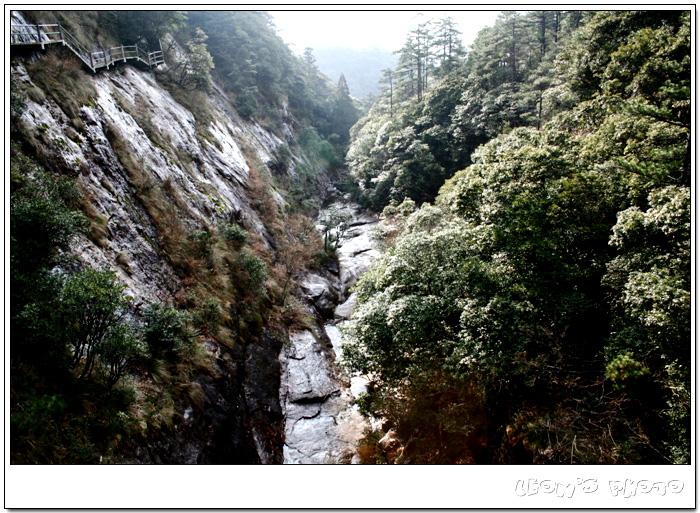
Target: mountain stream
x=322 y=425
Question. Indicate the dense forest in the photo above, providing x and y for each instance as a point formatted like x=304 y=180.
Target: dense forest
x=536 y=307
x=532 y=304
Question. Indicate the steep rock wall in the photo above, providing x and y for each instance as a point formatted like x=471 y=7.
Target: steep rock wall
x=133 y=135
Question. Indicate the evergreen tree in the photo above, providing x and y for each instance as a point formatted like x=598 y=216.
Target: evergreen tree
x=344 y=111
x=193 y=72
x=388 y=77
x=310 y=61
x=449 y=47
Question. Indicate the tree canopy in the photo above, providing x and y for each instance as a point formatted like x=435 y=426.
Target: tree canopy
x=546 y=292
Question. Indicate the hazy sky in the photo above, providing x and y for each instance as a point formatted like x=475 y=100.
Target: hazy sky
x=368 y=29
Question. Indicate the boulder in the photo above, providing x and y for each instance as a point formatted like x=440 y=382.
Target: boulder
x=323 y=292
x=345 y=310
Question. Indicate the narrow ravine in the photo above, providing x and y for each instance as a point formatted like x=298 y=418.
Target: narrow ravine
x=322 y=425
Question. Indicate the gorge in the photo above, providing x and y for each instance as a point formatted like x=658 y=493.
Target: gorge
x=219 y=256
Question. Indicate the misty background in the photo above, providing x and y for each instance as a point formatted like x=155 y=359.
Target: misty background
x=360 y=44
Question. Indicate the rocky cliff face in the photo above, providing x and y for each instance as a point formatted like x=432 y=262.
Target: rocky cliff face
x=209 y=176
x=137 y=151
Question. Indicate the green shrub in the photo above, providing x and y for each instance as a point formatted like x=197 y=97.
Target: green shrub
x=166 y=331
x=92 y=302
x=233 y=233
x=121 y=348
x=255 y=269
x=204 y=242
x=624 y=370
x=43 y=214
x=207 y=316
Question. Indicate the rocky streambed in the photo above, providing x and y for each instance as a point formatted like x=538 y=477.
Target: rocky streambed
x=321 y=423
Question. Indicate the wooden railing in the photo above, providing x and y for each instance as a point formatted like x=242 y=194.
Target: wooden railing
x=24 y=34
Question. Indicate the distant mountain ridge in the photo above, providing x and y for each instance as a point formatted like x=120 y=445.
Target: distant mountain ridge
x=362 y=68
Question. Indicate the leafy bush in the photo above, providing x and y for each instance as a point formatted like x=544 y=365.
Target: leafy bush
x=207 y=316
x=166 y=330
x=255 y=269
x=44 y=215
x=121 y=348
x=624 y=370
x=233 y=233
x=92 y=302
x=204 y=242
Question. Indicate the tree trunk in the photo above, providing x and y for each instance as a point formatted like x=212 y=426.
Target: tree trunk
x=513 y=71
x=391 y=97
x=543 y=33
x=685 y=168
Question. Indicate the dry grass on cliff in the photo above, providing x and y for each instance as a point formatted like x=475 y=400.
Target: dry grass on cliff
x=61 y=76
x=256 y=282
x=88 y=27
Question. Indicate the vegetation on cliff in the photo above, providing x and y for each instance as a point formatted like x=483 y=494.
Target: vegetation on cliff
x=95 y=372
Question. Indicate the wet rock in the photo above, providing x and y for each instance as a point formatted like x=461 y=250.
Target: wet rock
x=261 y=386
x=357 y=252
x=345 y=310
x=214 y=430
x=311 y=378
x=324 y=292
x=333 y=267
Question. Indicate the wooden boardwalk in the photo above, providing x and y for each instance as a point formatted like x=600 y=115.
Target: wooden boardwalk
x=42 y=35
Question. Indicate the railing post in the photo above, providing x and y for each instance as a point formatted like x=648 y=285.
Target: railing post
x=38 y=36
